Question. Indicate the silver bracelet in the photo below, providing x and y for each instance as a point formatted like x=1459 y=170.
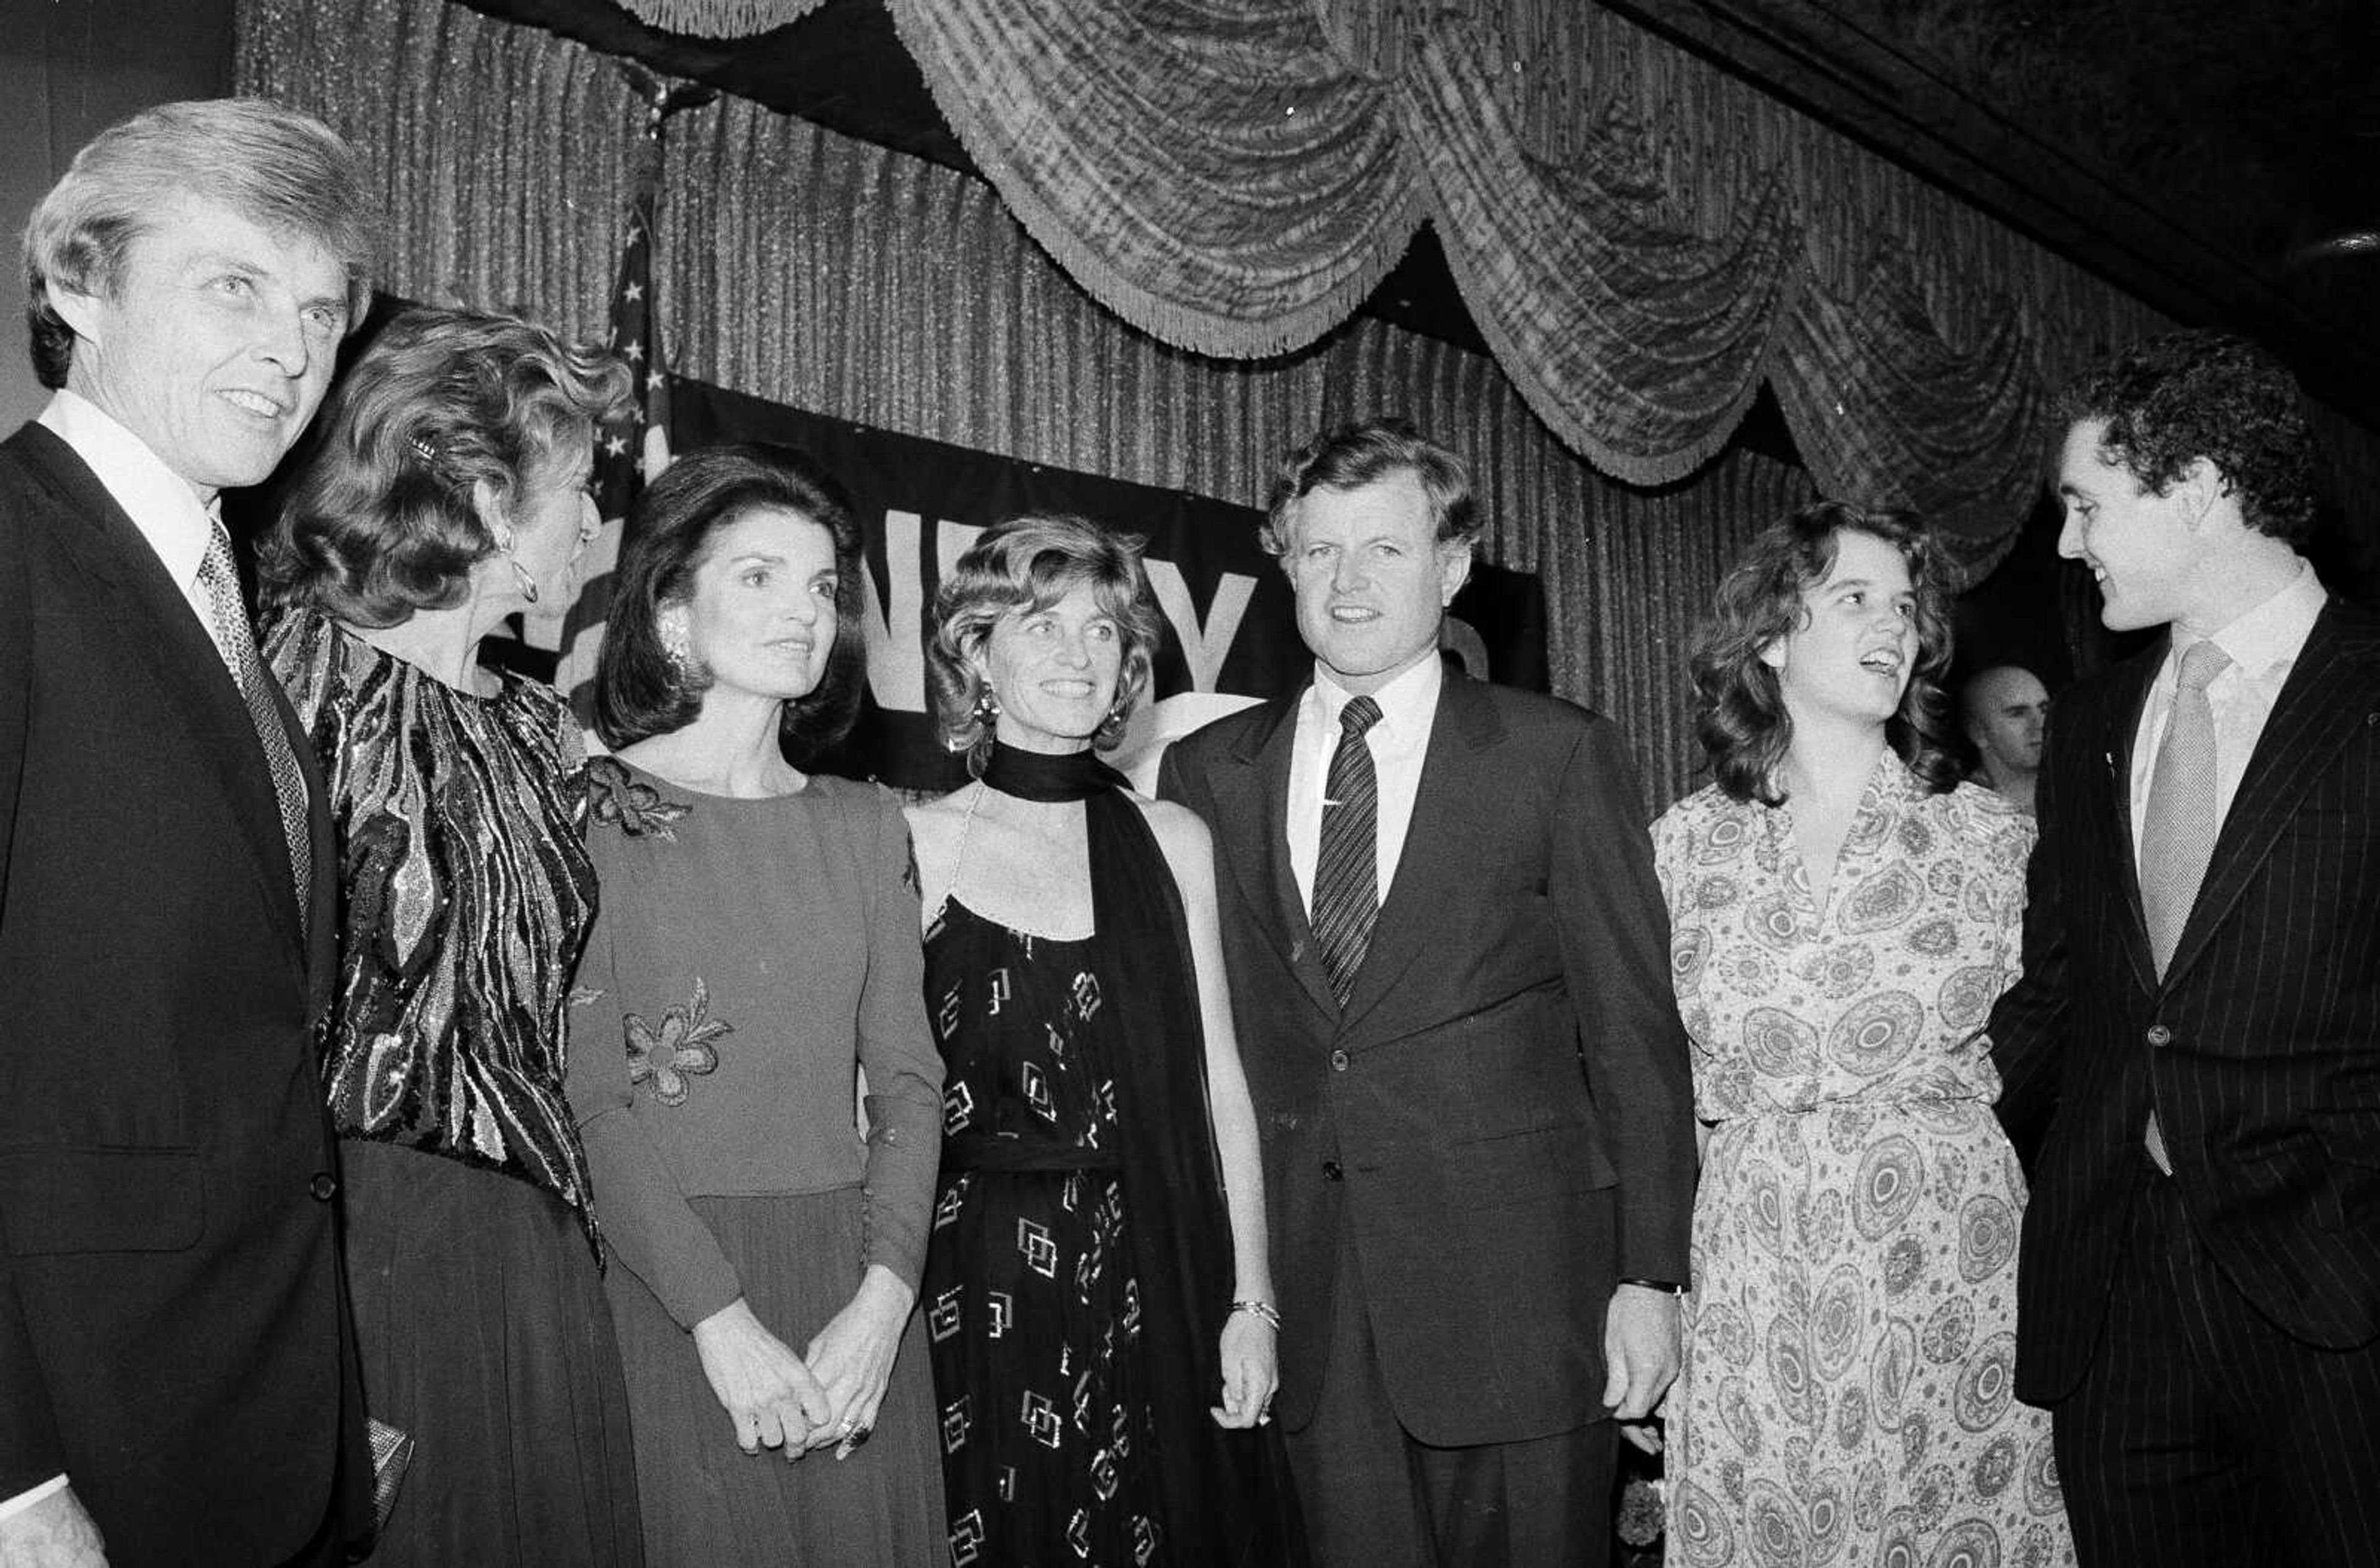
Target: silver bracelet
x=1260 y=1309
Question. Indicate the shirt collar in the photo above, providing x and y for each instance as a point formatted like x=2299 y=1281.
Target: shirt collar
x=160 y=503
x=2272 y=633
x=1406 y=703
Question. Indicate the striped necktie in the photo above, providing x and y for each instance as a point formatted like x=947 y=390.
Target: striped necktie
x=1346 y=869
x=237 y=642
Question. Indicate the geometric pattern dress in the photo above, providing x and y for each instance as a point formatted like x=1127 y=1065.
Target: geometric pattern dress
x=1031 y=1307
x=1846 y=1395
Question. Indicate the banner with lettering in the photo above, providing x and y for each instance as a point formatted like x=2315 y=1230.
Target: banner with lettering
x=1231 y=638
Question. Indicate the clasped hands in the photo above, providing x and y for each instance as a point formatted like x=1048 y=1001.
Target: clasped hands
x=825 y=1397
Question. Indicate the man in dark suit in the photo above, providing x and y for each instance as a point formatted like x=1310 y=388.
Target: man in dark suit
x=175 y=1377
x=2199 y=1021
x=1449 y=969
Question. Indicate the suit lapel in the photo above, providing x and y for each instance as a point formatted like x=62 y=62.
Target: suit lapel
x=2129 y=696
x=1254 y=788
x=1429 y=867
x=158 y=628
x=2325 y=702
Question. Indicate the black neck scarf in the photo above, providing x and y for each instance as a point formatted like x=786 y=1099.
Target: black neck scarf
x=1227 y=1496
x=1041 y=777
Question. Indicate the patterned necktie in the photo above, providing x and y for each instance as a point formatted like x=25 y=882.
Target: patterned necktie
x=2177 y=827
x=237 y=642
x=1346 y=869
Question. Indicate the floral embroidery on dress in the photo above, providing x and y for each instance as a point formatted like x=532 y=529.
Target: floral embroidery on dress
x=681 y=1047
x=634 y=808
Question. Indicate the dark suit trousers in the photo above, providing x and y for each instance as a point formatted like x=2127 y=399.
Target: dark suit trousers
x=1374 y=1497
x=2202 y=1437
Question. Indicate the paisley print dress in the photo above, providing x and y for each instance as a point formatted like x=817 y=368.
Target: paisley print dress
x=1850 y=1339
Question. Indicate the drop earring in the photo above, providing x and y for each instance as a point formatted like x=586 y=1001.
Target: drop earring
x=987 y=707
x=528 y=585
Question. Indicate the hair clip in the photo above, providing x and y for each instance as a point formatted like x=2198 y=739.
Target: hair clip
x=423 y=448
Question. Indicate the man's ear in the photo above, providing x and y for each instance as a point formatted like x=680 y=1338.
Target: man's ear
x=82 y=313
x=1453 y=571
x=2203 y=488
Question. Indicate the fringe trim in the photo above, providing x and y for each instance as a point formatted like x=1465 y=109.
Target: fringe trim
x=1179 y=323
x=719 y=18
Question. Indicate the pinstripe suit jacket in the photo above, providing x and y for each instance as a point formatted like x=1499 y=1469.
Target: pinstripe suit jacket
x=2259 y=1049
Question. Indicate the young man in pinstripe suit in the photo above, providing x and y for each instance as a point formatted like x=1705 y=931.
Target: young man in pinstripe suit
x=2199 y=1021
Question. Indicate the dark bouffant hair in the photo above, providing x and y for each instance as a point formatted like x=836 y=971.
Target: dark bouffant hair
x=2189 y=394
x=1352 y=456
x=1742 y=721
x=669 y=535
x=1026 y=564
x=384 y=519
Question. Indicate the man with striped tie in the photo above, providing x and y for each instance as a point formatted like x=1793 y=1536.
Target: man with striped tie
x=1449 y=966
x=175 y=1368
x=2198 y=1020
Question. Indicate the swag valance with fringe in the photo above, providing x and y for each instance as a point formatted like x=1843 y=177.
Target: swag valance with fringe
x=1234 y=176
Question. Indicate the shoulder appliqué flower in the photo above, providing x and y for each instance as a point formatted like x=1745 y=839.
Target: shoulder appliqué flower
x=679 y=1048
x=634 y=808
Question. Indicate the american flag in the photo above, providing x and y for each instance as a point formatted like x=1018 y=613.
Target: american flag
x=636 y=449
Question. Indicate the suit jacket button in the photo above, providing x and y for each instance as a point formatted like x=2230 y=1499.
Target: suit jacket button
x=2160 y=1035
x=1330 y=1172
x=1338 y=1061
x=325 y=1187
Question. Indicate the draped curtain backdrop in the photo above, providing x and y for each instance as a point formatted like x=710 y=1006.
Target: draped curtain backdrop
x=1642 y=239
x=1213 y=185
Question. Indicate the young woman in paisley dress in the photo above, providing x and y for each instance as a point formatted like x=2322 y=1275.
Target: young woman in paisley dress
x=1843 y=913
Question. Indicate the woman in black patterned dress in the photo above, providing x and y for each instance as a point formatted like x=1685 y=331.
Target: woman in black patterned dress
x=1097 y=1293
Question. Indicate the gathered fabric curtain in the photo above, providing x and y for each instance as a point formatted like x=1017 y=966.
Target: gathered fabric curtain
x=803 y=267
x=1643 y=240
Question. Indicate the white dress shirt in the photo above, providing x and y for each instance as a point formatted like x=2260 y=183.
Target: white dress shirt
x=166 y=510
x=2263 y=646
x=160 y=503
x=1399 y=742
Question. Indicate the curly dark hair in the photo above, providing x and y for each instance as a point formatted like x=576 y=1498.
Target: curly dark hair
x=1741 y=718
x=2171 y=399
x=669 y=534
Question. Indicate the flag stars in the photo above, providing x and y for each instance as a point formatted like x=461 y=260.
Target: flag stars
x=655 y=381
x=635 y=353
x=616 y=447
x=634 y=291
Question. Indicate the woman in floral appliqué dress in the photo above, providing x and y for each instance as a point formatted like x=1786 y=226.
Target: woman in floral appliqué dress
x=1843 y=916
